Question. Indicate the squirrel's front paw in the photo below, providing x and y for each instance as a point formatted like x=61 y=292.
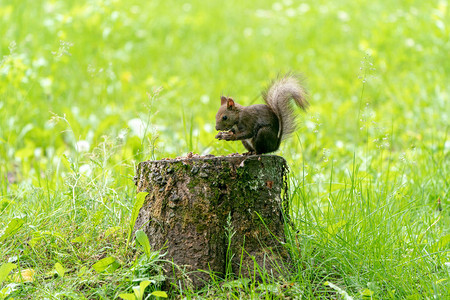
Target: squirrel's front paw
x=219 y=135
x=225 y=135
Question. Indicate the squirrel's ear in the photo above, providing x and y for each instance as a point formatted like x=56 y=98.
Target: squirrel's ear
x=230 y=103
x=223 y=100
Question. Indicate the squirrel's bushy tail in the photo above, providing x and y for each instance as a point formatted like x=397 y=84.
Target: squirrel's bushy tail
x=278 y=96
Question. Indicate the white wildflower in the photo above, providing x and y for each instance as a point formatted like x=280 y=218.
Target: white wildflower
x=83 y=146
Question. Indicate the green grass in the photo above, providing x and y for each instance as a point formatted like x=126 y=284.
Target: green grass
x=89 y=89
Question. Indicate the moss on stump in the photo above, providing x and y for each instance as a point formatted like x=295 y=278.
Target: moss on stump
x=190 y=201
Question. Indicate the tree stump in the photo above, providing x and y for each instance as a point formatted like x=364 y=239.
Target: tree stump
x=194 y=203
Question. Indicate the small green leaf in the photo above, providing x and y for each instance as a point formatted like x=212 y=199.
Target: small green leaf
x=139 y=290
x=80 y=239
x=143 y=285
x=34 y=241
x=159 y=294
x=59 y=269
x=127 y=296
x=13 y=226
x=5 y=269
x=112 y=230
x=103 y=264
x=140 y=198
x=367 y=293
x=142 y=238
x=82 y=271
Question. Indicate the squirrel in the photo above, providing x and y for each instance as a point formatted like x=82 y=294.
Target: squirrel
x=262 y=127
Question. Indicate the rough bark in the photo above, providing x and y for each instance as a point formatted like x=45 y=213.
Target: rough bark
x=193 y=201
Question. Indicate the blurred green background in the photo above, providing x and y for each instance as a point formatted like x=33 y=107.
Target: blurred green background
x=95 y=62
x=90 y=88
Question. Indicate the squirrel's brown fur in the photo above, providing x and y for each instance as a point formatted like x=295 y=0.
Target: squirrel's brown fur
x=261 y=128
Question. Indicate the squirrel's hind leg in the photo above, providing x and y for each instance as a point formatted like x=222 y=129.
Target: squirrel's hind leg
x=248 y=144
x=266 y=141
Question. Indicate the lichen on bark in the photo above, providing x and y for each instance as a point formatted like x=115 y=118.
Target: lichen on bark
x=190 y=199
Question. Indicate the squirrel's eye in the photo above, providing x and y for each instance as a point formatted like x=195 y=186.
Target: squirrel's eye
x=224 y=118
